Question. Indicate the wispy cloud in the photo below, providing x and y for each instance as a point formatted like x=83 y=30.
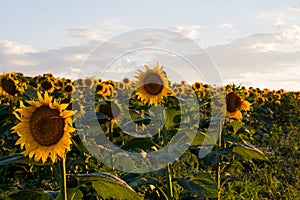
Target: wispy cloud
x=87 y=33
x=295 y=7
x=226 y=26
x=278 y=18
x=191 y=32
x=287 y=78
x=99 y=30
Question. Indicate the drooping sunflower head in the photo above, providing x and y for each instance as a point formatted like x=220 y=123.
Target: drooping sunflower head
x=44 y=129
x=112 y=109
x=152 y=85
x=9 y=85
x=235 y=103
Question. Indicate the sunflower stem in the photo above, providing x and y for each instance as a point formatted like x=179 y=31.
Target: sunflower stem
x=169 y=182
x=63 y=180
x=219 y=165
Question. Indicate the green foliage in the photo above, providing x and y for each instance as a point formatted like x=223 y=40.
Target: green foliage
x=257 y=157
x=38 y=194
x=108 y=186
x=201 y=184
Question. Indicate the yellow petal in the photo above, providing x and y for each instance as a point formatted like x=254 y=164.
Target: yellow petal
x=245 y=105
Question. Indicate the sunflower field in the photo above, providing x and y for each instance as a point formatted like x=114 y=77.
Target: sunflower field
x=49 y=149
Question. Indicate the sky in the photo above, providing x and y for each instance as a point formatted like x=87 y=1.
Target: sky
x=252 y=43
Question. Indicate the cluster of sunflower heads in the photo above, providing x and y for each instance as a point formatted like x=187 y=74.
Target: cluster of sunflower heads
x=49 y=105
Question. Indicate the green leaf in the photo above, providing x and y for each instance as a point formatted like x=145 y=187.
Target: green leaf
x=36 y=194
x=139 y=143
x=248 y=151
x=108 y=186
x=201 y=184
x=72 y=194
x=198 y=139
x=172 y=118
x=236 y=125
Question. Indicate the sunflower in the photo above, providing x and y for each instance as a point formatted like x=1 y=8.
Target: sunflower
x=112 y=109
x=104 y=89
x=59 y=83
x=126 y=82
x=178 y=90
x=261 y=100
x=152 y=85
x=99 y=88
x=88 y=82
x=69 y=88
x=44 y=128
x=74 y=105
x=9 y=86
x=234 y=103
x=198 y=86
x=46 y=85
x=120 y=85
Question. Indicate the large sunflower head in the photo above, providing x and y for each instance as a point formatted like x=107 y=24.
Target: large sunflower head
x=235 y=103
x=44 y=128
x=152 y=85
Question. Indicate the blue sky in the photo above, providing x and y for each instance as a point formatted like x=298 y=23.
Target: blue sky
x=255 y=43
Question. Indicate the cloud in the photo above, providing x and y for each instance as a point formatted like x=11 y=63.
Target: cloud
x=87 y=33
x=111 y=24
x=99 y=30
x=253 y=60
x=295 y=7
x=278 y=18
x=226 y=26
x=288 y=78
x=243 y=59
x=58 y=61
x=14 y=48
x=191 y=32
x=292 y=33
